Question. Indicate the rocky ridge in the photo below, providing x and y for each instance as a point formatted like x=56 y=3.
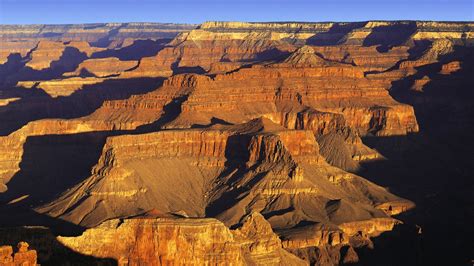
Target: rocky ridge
x=224 y=120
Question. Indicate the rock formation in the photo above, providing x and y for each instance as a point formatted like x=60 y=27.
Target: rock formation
x=103 y=67
x=225 y=142
x=23 y=256
x=259 y=165
x=164 y=241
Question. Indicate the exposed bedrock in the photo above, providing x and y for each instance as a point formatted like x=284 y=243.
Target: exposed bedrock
x=257 y=166
x=159 y=241
x=234 y=143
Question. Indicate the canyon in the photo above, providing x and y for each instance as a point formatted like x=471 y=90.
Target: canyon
x=236 y=143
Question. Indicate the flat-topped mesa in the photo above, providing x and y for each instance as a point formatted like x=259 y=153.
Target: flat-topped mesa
x=373 y=227
x=451 y=67
x=256 y=141
x=60 y=87
x=115 y=179
x=44 y=54
x=273 y=162
x=262 y=90
x=12 y=146
x=85 y=47
x=164 y=241
x=11 y=155
x=155 y=66
x=149 y=107
x=12 y=149
x=167 y=144
x=76 y=98
x=286 y=26
x=50 y=56
x=103 y=67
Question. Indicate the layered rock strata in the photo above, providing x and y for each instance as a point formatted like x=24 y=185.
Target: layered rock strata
x=164 y=241
x=23 y=256
x=256 y=166
x=252 y=117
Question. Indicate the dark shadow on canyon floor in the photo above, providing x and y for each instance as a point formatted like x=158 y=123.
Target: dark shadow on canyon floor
x=136 y=51
x=35 y=104
x=52 y=164
x=427 y=172
x=15 y=69
x=335 y=35
x=387 y=36
x=40 y=232
x=49 y=250
x=432 y=168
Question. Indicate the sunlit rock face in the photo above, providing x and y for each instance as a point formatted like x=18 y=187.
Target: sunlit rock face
x=22 y=256
x=227 y=142
x=276 y=164
x=157 y=241
x=22 y=38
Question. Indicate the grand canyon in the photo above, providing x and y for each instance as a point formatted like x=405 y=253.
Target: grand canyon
x=236 y=143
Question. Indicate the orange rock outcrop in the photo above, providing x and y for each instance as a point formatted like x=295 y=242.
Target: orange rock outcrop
x=224 y=120
x=103 y=67
x=166 y=241
x=23 y=256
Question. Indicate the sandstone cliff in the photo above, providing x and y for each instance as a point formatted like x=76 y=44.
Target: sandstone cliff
x=102 y=123
x=167 y=241
x=257 y=166
x=23 y=256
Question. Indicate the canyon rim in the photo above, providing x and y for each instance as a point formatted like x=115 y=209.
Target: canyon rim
x=237 y=143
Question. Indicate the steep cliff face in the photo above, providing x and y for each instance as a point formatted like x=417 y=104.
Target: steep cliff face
x=301 y=80
x=103 y=67
x=222 y=120
x=23 y=256
x=225 y=172
x=22 y=38
x=164 y=241
x=357 y=43
x=60 y=87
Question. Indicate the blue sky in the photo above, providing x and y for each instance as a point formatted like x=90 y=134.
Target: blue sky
x=197 y=11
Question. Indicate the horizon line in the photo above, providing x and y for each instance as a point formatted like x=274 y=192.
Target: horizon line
x=243 y=21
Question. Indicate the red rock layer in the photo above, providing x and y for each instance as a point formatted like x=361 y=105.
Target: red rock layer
x=263 y=162
x=167 y=241
x=23 y=256
x=260 y=90
x=103 y=67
